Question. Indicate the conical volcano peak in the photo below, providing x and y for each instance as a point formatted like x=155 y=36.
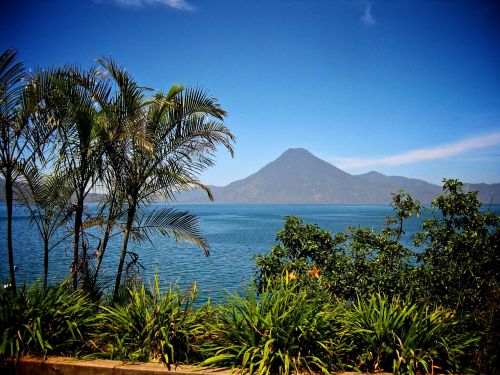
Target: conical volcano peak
x=298 y=155
x=296 y=152
x=300 y=164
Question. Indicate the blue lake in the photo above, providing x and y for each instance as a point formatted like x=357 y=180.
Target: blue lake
x=235 y=233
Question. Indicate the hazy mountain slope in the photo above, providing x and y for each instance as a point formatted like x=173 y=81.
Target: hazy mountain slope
x=488 y=193
x=297 y=176
x=379 y=187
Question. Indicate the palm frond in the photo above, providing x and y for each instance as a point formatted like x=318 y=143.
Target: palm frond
x=11 y=75
x=181 y=225
x=195 y=100
x=47 y=198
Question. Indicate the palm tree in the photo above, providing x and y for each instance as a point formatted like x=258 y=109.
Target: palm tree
x=171 y=138
x=25 y=127
x=75 y=97
x=118 y=113
x=48 y=201
x=14 y=137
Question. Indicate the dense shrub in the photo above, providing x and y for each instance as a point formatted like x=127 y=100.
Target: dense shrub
x=288 y=329
x=461 y=263
x=357 y=263
x=152 y=325
x=281 y=330
x=461 y=255
x=392 y=334
x=41 y=320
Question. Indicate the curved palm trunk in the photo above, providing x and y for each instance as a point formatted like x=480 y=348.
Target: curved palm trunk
x=102 y=248
x=9 y=197
x=76 y=240
x=130 y=221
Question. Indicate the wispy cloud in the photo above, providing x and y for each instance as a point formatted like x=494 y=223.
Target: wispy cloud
x=367 y=17
x=175 y=4
x=422 y=154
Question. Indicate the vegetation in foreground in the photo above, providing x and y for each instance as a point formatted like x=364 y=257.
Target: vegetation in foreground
x=321 y=303
x=356 y=300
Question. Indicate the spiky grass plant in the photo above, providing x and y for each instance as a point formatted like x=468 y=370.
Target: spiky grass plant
x=44 y=320
x=155 y=324
x=280 y=330
x=409 y=338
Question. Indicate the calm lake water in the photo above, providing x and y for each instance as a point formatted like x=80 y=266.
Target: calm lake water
x=235 y=232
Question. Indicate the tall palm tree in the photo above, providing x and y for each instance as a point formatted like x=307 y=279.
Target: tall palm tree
x=170 y=139
x=47 y=199
x=75 y=98
x=14 y=137
x=25 y=128
x=119 y=112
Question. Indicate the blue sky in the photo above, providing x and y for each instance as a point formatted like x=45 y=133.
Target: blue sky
x=407 y=88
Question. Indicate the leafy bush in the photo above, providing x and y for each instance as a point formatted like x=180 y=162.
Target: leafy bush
x=301 y=248
x=357 y=263
x=152 y=325
x=281 y=330
x=461 y=250
x=461 y=263
x=394 y=334
x=44 y=320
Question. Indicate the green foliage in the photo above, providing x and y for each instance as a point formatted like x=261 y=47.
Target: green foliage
x=287 y=329
x=14 y=137
x=389 y=333
x=155 y=146
x=152 y=325
x=283 y=329
x=302 y=247
x=43 y=321
x=455 y=265
x=461 y=263
x=170 y=222
x=357 y=263
x=462 y=250
x=47 y=199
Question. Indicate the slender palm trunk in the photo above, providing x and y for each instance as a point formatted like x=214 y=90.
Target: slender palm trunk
x=45 y=262
x=76 y=239
x=9 y=197
x=130 y=221
x=102 y=248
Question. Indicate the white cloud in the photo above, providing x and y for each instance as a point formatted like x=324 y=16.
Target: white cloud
x=367 y=17
x=176 y=4
x=423 y=154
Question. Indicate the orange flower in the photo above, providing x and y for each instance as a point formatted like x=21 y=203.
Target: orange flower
x=291 y=276
x=314 y=272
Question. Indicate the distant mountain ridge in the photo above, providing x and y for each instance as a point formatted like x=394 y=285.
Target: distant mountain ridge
x=91 y=197
x=299 y=177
